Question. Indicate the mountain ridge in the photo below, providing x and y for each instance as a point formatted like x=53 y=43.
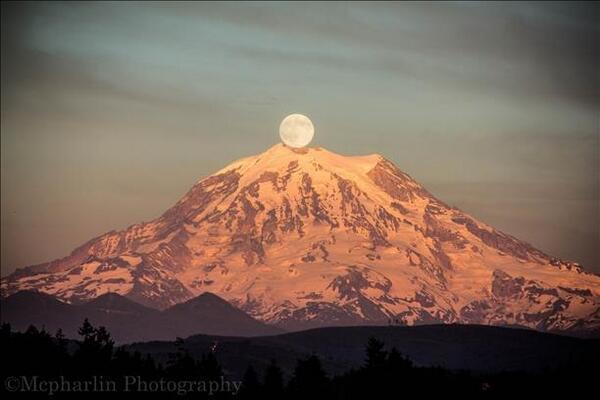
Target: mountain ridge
x=303 y=238
x=129 y=321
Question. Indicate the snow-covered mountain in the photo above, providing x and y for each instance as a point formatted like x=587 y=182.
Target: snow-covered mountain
x=306 y=237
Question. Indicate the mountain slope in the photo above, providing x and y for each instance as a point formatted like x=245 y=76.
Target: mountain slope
x=128 y=321
x=307 y=237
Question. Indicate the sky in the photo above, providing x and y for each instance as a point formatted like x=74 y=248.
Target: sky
x=110 y=112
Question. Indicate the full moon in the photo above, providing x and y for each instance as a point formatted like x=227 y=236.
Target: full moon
x=296 y=130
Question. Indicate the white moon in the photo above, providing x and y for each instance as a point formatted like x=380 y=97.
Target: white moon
x=296 y=130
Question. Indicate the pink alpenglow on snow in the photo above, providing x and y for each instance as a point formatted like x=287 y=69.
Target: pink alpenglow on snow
x=306 y=237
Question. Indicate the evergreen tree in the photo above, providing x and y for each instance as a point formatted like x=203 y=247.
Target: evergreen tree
x=209 y=367
x=376 y=356
x=309 y=380
x=397 y=363
x=251 y=387
x=95 y=350
x=273 y=384
x=5 y=332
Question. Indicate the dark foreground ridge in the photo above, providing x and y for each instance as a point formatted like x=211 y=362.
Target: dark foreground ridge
x=300 y=365
x=455 y=347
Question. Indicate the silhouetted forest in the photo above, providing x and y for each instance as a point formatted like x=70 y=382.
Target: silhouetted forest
x=42 y=361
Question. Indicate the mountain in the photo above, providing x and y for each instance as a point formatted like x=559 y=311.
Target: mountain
x=27 y=307
x=113 y=303
x=128 y=321
x=475 y=348
x=305 y=237
x=211 y=314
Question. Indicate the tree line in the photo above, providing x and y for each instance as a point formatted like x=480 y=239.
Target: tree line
x=37 y=353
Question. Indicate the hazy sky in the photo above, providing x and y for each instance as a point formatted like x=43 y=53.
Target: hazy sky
x=110 y=112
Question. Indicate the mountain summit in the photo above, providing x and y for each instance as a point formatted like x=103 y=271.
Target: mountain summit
x=306 y=237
